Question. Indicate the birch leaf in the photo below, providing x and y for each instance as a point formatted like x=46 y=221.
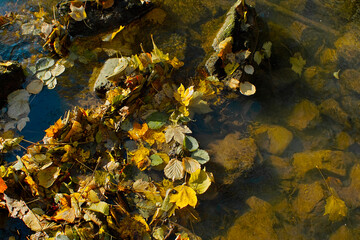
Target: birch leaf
x=201 y=156
x=199 y=181
x=174 y=169
x=335 y=207
x=35 y=86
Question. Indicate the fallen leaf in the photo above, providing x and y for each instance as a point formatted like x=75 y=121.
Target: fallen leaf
x=184 y=96
x=35 y=86
x=249 y=69
x=3 y=186
x=297 y=63
x=138 y=131
x=199 y=181
x=191 y=165
x=141 y=158
x=111 y=36
x=157 y=55
x=48 y=176
x=101 y=207
x=267 y=49
x=22 y=123
x=176 y=132
x=190 y=143
x=174 y=169
x=184 y=196
x=201 y=156
x=335 y=207
x=247 y=88
x=258 y=57
x=77 y=13
x=44 y=63
x=54 y=129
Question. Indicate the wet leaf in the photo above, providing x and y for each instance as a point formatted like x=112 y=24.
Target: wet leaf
x=111 y=36
x=247 y=88
x=33 y=186
x=3 y=186
x=267 y=49
x=157 y=120
x=65 y=214
x=41 y=13
x=27 y=28
x=198 y=105
x=101 y=207
x=57 y=69
x=177 y=133
x=51 y=83
x=335 y=207
x=44 y=75
x=184 y=96
x=258 y=57
x=190 y=143
x=76 y=129
x=184 y=196
x=191 y=165
x=48 y=176
x=297 y=63
x=44 y=63
x=18 y=104
x=174 y=169
x=35 y=86
x=138 y=131
x=141 y=158
x=54 y=129
x=22 y=123
x=231 y=68
x=199 y=181
x=201 y=156
x=249 y=69
x=156 y=160
x=77 y=13
x=157 y=55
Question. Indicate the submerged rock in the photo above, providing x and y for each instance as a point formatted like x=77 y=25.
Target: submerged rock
x=350 y=80
x=236 y=156
x=309 y=195
x=305 y=114
x=332 y=109
x=100 y=18
x=281 y=167
x=343 y=232
x=350 y=194
x=343 y=140
x=274 y=139
x=256 y=224
x=11 y=78
x=335 y=162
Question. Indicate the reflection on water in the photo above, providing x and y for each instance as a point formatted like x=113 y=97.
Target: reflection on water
x=268 y=182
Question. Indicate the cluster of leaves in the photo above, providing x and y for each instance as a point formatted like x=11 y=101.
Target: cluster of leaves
x=128 y=168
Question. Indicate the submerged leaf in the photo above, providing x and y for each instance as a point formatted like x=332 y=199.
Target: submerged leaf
x=111 y=36
x=35 y=86
x=201 y=156
x=247 y=88
x=44 y=63
x=335 y=207
x=184 y=196
x=297 y=63
x=156 y=120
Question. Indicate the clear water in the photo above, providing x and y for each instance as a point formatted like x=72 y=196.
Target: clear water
x=308 y=27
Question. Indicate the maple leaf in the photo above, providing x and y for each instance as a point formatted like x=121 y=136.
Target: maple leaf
x=176 y=132
x=77 y=13
x=335 y=207
x=184 y=96
x=184 y=196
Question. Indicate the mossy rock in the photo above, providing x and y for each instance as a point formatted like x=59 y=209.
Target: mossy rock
x=305 y=114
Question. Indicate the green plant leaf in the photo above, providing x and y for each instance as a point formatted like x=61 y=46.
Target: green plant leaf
x=156 y=120
x=201 y=156
x=101 y=207
x=190 y=143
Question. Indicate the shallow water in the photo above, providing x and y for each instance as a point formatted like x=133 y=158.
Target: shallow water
x=312 y=28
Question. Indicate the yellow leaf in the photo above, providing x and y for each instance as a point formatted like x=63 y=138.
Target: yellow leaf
x=152 y=136
x=138 y=131
x=157 y=55
x=111 y=36
x=184 y=196
x=200 y=181
x=336 y=208
x=141 y=158
x=184 y=96
x=76 y=129
x=53 y=130
x=47 y=177
x=40 y=13
x=65 y=214
x=33 y=186
x=176 y=63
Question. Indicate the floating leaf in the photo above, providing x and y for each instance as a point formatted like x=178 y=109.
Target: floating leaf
x=111 y=36
x=51 y=83
x=157 y=55
x=249 y=69
x=156 y=160
x=174 y=169
x=22 y=123
x=44 y=63
x=138 y=131
x=201 y=156
x=184 y=96
x=190 y=143
x=177 y=133
x=3 y=186
x=297 y=63
x=335 y=207
x=57 y=69
x=157 y=120
x=191 y=165
x=101 y=207
x=27 y=28
x=18 y=104
x=35 y=86
x=44 y=75
x=184 y=196
x=199 y=181
x=336 y=74
x=48 y=176
x=65 y=214
x=77 y=13
x=247 y=88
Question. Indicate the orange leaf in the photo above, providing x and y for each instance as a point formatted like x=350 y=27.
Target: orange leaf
x=138 y=131
x=54 y=129
x=66 y=214
x=3 y=186
x=75 y=129
x=33 y=186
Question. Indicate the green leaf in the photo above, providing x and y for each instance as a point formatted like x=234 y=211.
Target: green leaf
x=156 y=160
x=258 y=57
x=201 y=156
x=190 y=143
x=156 y=120
x=101 y=207
x=199 y=181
